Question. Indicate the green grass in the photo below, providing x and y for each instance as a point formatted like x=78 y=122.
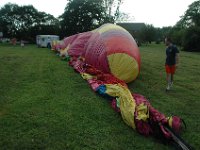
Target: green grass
x=44 y=104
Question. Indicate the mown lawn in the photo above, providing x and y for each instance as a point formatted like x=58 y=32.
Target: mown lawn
x=44 y=104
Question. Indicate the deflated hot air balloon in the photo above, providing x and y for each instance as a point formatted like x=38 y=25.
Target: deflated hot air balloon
x=108 y=58
x=110 y=48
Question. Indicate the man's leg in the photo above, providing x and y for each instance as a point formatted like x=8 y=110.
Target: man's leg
x=168 y=77
x=168 y=81
x=172 y=79
x=173 y=69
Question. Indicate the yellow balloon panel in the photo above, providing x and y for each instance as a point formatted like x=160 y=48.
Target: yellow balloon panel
x=123 y=66
x=109 y=27
x=127 y=102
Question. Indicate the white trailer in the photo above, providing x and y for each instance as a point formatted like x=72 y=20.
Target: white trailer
x=46 y=40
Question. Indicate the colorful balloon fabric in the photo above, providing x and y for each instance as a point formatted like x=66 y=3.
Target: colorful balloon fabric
x=108 y=58
x=110 y=48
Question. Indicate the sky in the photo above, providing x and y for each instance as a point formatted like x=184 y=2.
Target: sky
x=159 y=13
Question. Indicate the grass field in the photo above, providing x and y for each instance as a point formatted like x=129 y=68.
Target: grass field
x=44 y=104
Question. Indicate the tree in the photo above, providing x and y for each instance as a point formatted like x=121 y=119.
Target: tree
x=147 y=34
x=158 y=35
x=7 y=19
x=177 y=35
x=17 y=21
x=124 y=17
x=192 y=16
x=189 y=28
x=83 y=15
x=112 y=8
x=191 y=39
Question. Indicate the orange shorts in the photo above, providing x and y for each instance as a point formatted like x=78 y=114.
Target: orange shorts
x=170 y=69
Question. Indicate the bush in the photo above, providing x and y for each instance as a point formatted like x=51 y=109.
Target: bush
x=192 y=39
x=158 y=41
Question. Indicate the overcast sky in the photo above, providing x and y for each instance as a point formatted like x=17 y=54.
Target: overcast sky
x=159 y=13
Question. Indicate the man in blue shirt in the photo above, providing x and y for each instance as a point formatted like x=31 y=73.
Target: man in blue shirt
x=172 y=60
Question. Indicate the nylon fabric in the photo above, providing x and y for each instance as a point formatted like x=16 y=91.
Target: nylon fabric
x=109 y=27
x=123 y=66
x=96 y=54
x=86 y=76
x=170 y=121
x=143 y=112
x=64 y=53
x=127 y=103
x=107 y=58
x=96 y=46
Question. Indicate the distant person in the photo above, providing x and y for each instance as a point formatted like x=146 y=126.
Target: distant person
x=13 y=41
x=22 y=43
x=48 y=43
x=172 y=60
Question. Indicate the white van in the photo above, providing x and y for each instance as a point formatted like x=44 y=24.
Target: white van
x=46 y=40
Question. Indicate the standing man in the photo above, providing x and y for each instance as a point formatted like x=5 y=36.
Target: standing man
x=172 y=60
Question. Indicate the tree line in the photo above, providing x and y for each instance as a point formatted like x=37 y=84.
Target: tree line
x=186 y=32
x=25 y=22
